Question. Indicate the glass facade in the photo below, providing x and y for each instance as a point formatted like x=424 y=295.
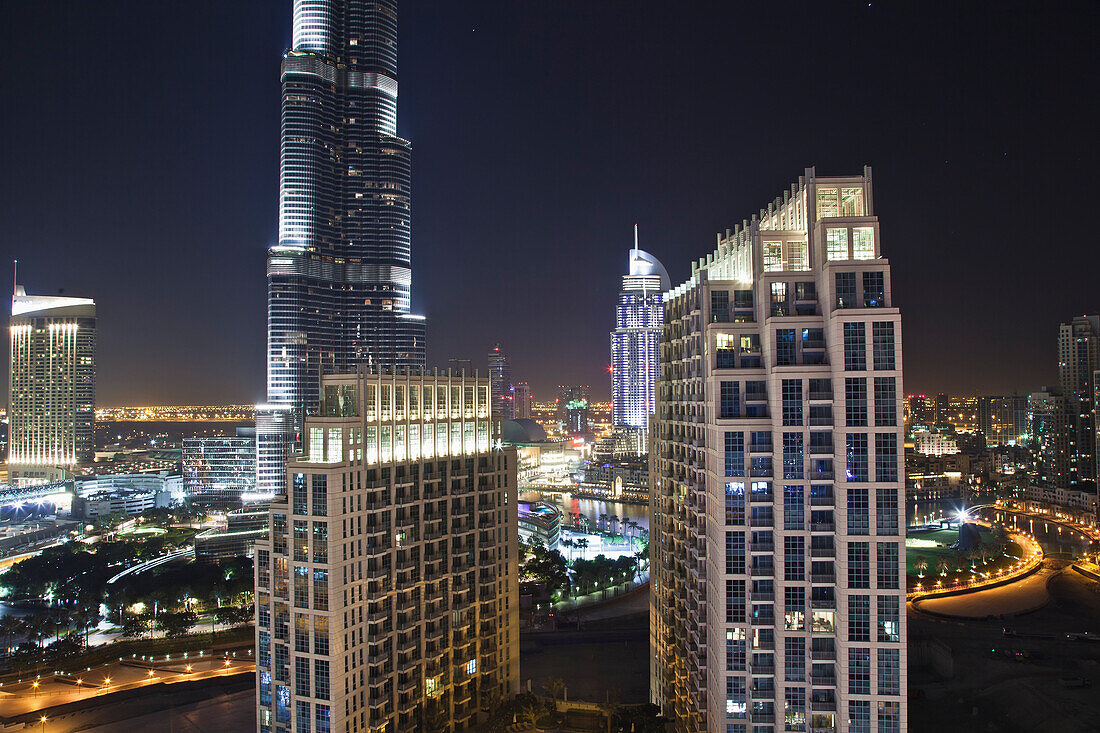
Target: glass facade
x=635 y=342
x=340 y=275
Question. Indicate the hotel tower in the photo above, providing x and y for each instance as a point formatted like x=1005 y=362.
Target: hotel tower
x=639 y=316
x=51 y=398
x=340 y=275
x=777 y=482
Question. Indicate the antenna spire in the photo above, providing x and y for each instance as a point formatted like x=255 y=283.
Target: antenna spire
x=15 y=278
x=635 y=237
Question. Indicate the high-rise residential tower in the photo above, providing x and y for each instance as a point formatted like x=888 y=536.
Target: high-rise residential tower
x=1078 y=360
x=340 y=275
x=777 y=490
x=51 y=397
x=635 y=361
x=387 y=594
x=500 y=383
x=1044 y=412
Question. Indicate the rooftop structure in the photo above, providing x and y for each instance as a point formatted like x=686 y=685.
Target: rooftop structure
x=394 y=542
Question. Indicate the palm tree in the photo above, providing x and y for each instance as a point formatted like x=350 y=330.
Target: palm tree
x=921 y=565
x=611 y=708
x=555 y=688
x=9 y=627
x=942 y=565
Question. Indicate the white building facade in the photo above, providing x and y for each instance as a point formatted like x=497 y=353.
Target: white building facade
x=635 y=343
x=387 y=592
x=777 y=477
x=51 y=399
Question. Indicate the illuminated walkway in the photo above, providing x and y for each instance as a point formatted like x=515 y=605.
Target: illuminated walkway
x=25 y=697
x=1016 y=597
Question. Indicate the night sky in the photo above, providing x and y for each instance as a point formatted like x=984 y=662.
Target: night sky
x=139 y=161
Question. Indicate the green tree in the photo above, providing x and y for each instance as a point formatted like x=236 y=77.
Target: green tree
x=178 y=623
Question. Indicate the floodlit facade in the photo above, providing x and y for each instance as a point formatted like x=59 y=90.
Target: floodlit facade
x=387 y=594
x=51 y=386
x=220 y=468
x=777 y=487
x=340 y=274
x=934 y=443
x=635 y=361
x=502 y=390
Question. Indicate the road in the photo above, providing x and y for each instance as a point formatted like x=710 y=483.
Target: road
x=236 y=712
x=24 y=697
x=988 y=681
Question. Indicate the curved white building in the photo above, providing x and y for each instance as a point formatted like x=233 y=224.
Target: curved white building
x=635 y=344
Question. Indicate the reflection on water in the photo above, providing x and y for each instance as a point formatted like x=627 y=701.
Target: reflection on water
x=593 y=509
x=1052 y=537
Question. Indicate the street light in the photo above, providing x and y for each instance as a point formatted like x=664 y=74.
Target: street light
x=35 y=686
x=43 y=720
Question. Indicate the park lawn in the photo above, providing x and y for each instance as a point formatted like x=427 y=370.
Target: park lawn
x=933 y=554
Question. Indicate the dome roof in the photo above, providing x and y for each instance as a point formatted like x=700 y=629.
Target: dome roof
x=523 y=430
x=643 y=263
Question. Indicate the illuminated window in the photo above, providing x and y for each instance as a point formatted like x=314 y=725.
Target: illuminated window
x=773 y=256
x=851 y=202
x=334 y=451
x=836 y=244
x=432 y=688
x=780 y=306
x=863 y=243
x=795 y=257
x=471 y=666
x=316 y=445
x=823 y=621
x=736 y=705
x=827 y=203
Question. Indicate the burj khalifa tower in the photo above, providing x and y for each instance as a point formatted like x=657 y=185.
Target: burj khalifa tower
x=340 y=275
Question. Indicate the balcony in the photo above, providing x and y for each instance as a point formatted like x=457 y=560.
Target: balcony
x=822 y=552
x=823 y=680
x=823 y=578
x=822 y=526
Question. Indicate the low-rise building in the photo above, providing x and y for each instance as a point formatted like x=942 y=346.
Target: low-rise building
x=934 y=442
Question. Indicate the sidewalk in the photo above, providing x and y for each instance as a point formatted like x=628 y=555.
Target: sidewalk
x=601 y=596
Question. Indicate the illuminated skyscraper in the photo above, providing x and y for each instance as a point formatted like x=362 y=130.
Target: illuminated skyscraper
x=776 y=477
x=635 y=344
x=500 y=383
x=51 y=398
x=1078 y=360
x=340 y=276
x=387 y=595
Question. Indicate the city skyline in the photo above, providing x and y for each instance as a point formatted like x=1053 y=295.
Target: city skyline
x=962 y=160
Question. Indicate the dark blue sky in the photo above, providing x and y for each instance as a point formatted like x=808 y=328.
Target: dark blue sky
x=139 y=153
